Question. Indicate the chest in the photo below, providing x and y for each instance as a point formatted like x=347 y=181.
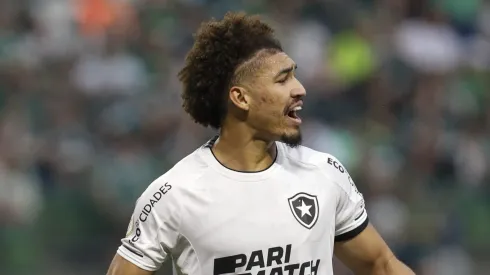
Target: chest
x=288 y=214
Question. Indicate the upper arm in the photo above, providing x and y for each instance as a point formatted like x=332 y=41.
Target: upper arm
x=121 y=266
x=153 y=229
x=365 y=252
x=357 y=244
x=352 y=229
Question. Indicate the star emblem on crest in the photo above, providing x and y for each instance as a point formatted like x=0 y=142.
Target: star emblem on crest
x=305 y=209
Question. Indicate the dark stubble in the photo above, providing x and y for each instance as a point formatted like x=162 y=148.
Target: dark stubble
x=293 y=140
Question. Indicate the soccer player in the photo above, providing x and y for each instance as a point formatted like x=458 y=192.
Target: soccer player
x=251 y=200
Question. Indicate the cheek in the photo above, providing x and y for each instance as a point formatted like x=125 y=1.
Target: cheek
x=271 y=108
x=267 y=99
x=273 y=101
x=266 y=115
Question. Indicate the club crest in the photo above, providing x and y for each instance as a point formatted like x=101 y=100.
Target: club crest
x=305 y=209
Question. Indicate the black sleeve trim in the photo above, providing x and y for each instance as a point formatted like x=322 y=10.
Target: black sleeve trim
x=133 y=251
x=353 y=233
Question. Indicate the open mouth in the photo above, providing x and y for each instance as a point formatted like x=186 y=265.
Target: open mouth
x=293 y=114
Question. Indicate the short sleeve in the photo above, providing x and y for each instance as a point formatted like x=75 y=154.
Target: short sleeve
x=351 y=216
x=153 y=229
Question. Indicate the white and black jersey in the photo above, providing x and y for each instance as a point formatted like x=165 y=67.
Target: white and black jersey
x=212 y=220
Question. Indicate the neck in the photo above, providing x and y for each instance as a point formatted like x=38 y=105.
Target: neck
x=237 y=149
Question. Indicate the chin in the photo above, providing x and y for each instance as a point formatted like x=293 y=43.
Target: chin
x=292 y=139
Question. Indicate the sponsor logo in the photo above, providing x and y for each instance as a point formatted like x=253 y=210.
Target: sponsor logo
x=272 y=261
x=337 y=165
x=134 y=227
x=305 y=209
x=157 y=196
x=342 y=170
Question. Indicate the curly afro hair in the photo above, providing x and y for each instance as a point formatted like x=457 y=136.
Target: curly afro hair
x=210 y=68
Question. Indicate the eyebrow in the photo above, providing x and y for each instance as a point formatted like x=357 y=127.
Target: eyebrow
x=286 y=70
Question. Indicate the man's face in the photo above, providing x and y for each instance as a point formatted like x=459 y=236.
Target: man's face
x=275 y=99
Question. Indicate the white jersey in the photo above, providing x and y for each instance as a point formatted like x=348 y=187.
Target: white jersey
x=211 y=220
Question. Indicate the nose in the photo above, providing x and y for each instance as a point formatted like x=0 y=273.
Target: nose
x=299 y=91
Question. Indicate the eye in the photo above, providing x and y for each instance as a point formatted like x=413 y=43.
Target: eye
x=283 y=80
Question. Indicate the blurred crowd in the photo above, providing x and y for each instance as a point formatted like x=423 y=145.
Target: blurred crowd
x=90 y=114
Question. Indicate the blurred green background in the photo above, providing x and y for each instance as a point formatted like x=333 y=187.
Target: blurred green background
x=90 y=114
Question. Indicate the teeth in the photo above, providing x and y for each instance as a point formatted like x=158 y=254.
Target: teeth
x=298 y=108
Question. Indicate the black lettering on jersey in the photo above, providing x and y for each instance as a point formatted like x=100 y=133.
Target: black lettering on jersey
x=288 y=254
x=342 y=170
x=277 y=263
x=314 y=268
x=261 y=272
x=145 y=212
x=303 y=268
x=143 y=216
x=274 y=254
x=229 y=264
x=137 y=235
x=337 y=165
x=165 y=188
x=147 y=208
x=156 y=197
x=276 y=271
x=291 y=268
x=256 y=259
x=153 y=202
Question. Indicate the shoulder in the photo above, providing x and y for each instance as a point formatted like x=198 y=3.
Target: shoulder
x=328 y=164
x=181 y=176
x=302 y=155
